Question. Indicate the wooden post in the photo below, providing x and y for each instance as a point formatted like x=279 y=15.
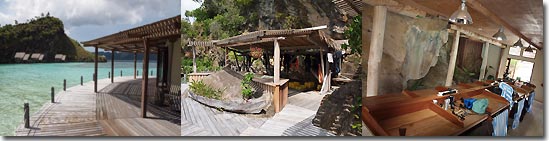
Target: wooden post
x=52 y=95
x=81 y=80
x=485 y=51
x=64 y=84
x=453 y=57
x=276 y=62
x=322 y=65
x=236 y=58
x=145 y=80
x=159 y=63
x=194 y=59
x=112 y=65
x=376 y=50
x=95 y=70
x=27 y=115
x=109 y=74
x=120 y=73
x=503 y=62
x=135 y=72
x=225 y=57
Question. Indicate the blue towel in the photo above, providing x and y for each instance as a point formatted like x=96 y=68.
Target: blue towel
x=530 y=102
x=468 y=102
x=516 y=119
x=507 y=92
x=500 y=124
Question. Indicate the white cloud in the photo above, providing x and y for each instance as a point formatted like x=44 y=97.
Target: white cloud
x=76 y=13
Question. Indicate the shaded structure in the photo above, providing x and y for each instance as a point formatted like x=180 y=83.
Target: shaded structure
x=161 y=37
x=281 y=46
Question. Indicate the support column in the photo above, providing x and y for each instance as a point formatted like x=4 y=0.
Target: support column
x=322 y=65
x=376 y=50
x=503 y=62
x=95 y=70
x=453 y=57
x=276 y=62
x=112 y=65
x=134 y=65
x=225 y=57
x=194 y=59
x=485 y=51
x=145 y=80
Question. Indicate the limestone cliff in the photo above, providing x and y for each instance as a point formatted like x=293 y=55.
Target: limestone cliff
x=414 y=48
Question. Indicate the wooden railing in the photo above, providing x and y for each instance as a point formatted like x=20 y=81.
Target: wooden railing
x=197 y=76
x=278 y=90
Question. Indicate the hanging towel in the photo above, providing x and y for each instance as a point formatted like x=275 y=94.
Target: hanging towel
x=507 y=93
x=500 y=124
x=516 y=117
x=530 y=102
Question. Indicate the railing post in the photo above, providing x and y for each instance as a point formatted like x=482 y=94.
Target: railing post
x=109 y=74
x=137 y=73
x=52 y=95
x=151 y=73
x=81 y=80
x=94 y=77
x=64 y=84
x=26 y=116
x=120 y=73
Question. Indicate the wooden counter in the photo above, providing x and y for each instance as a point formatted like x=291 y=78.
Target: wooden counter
x=415 y=111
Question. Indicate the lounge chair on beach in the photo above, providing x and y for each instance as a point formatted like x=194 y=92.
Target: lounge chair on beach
x=60 y=57
x=35 y=56
x=41 y=58
x=19 y=55
x=26 y=57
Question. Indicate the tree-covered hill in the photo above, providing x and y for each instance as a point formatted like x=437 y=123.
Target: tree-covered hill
x=43 y=34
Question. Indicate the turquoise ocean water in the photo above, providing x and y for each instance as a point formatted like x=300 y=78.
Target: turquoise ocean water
x=33 y=82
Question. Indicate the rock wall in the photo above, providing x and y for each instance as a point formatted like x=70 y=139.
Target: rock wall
x=412 y=47
x=284 y=14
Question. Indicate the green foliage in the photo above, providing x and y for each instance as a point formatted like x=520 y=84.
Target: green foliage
x=218 y=19
x=41 y=34
x=354 y=34
x=200 y=88
x=416 y=85
x=203 y=64
x=356 y=110
x=247 y=90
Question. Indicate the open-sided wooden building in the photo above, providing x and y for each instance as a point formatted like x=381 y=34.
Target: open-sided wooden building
x=281 y=46
x=161 y=38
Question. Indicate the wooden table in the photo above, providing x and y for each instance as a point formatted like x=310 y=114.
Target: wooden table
x=415 y=111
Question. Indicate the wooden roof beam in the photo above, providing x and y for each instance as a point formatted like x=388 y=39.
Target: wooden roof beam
x=486 y=12
x=477 y=36
x=397 y=7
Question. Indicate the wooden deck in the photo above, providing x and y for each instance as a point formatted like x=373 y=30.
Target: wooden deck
x=113 y=111
x=294 y=120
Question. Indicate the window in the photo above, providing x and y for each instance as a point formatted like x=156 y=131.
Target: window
x=514 y=51
x=529 y=54
x=521 y=70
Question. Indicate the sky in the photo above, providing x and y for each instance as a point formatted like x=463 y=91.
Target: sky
x=188 y=5
x=85 y=20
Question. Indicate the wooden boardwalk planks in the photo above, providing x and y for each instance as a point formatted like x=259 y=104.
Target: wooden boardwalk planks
x=113 y=111
x=294 y=120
